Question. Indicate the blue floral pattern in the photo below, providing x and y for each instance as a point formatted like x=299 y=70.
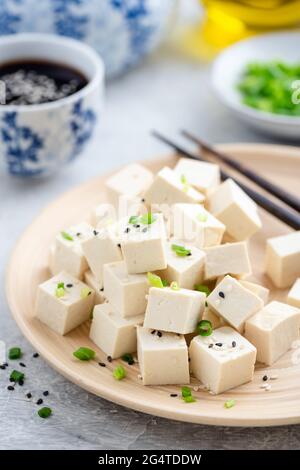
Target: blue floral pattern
x=122 y=31
x=23 y=146
x=82 y=125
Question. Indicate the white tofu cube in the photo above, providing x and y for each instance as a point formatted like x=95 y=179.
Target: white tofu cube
x=131 y=181
x=91 y=281
x=272 y=331
x=231 y=258
x=223 y=360
x=67 y=254
x=215 y=320
x=167 y=189
x=282 y=261
x=293 y=297
x=100 y=248
x=103 y=215
x=233 y=302
x=113 y=334
x=143 y=244
x=176 y=311
x=202 y=175
x=163 y=359
x=185 y=270
x=195 y=225
x=125 y=292
x=63 y=303
x=257 y=289
x=232 y=206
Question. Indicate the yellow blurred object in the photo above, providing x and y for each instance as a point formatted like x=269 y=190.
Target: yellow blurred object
x=227 y=21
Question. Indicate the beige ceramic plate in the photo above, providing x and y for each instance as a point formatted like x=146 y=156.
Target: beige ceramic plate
x=254 y=406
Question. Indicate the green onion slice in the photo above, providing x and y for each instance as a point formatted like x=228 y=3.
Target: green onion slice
x=67 y=236
x=84 y=354
x=204 y=328
x=180 y=250
x=119 y=373
x=202 y=288
x=14 y=353
x=154 y=280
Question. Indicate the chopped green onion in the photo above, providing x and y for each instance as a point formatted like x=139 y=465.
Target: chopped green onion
x=67 y=236
x=128 y=358
x=174 y=285
x=16 y=376
x=204 y=328
x=147 y=219
x=85 y=292
x=14 y=353
x=202 y=217
x=202 y=288
x=181 y=250
x=165 y=283
x=59 y=291
x=189 y=399
x=44 y=412
x=61 y=285
x=154 y=280
x=84 y=354
x=229 y=403
x=185 y=183
x=133 y=219
x=119 y=373
x=186 y=391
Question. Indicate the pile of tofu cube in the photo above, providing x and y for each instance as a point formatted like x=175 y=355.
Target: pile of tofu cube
x=176 y=256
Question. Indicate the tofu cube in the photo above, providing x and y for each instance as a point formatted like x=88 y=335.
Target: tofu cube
x=63 y=303
x=143 y=244
x=100 y=248
x=257 y=289
x=163 y=359
x=215 y=320
x=282 y=260
x=176 y=311
x=103 y=215
x=113 y=334
x=223 y=360
x=293 y=297
x=125 y=292
x=231 y=258
x=92 y=282
x=67 y=254
x=204 y=176
x=167 y=189
x=272 y=331
x=185 y=270
x=195 y=225
x=233 y=302
x=232 y=206
x=131 y=181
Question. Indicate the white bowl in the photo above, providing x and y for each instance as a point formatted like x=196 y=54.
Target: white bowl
x=36 y=140
x=229 y=65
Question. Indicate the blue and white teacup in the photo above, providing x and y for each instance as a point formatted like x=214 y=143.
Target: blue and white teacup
x=36 y=140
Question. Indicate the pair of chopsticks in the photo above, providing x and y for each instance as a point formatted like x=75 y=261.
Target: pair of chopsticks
x=290 y=217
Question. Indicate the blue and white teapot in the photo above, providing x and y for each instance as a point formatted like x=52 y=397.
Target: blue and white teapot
x=122 y=31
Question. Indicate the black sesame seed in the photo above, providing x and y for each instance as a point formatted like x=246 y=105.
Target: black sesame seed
x=28 y=395
x=265 y=378
x=45 y=393
x=189 y=254
x=10 y=387
x=109 y=358
x=143 y=199
x=78 y=234
x=35 y=355
x=130 y=362
x=159 y=334
x=102 y=289
x=119 y=245
x=69 y=285
x=5 y=364
x=145 y=229
x=233 y=344
x=2 y=366
x=101 y=364
x=39 y=401
x=210 y=345
x=21 y=382
x=219 y=344
x=221 y=294
x=153 y=332
x=136 y=226
x=22 y=364
x=173 y=395
x=189 y=359
x=127 y=230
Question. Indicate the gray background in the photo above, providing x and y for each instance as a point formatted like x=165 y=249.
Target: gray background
x=167 y=92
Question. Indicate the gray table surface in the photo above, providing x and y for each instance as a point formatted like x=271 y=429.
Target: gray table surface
x=167 y=92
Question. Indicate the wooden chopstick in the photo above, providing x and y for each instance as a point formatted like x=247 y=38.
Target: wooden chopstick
x=283 y=214
x=280 y=193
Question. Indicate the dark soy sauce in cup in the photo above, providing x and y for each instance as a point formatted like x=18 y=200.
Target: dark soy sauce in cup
x=32 y=82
